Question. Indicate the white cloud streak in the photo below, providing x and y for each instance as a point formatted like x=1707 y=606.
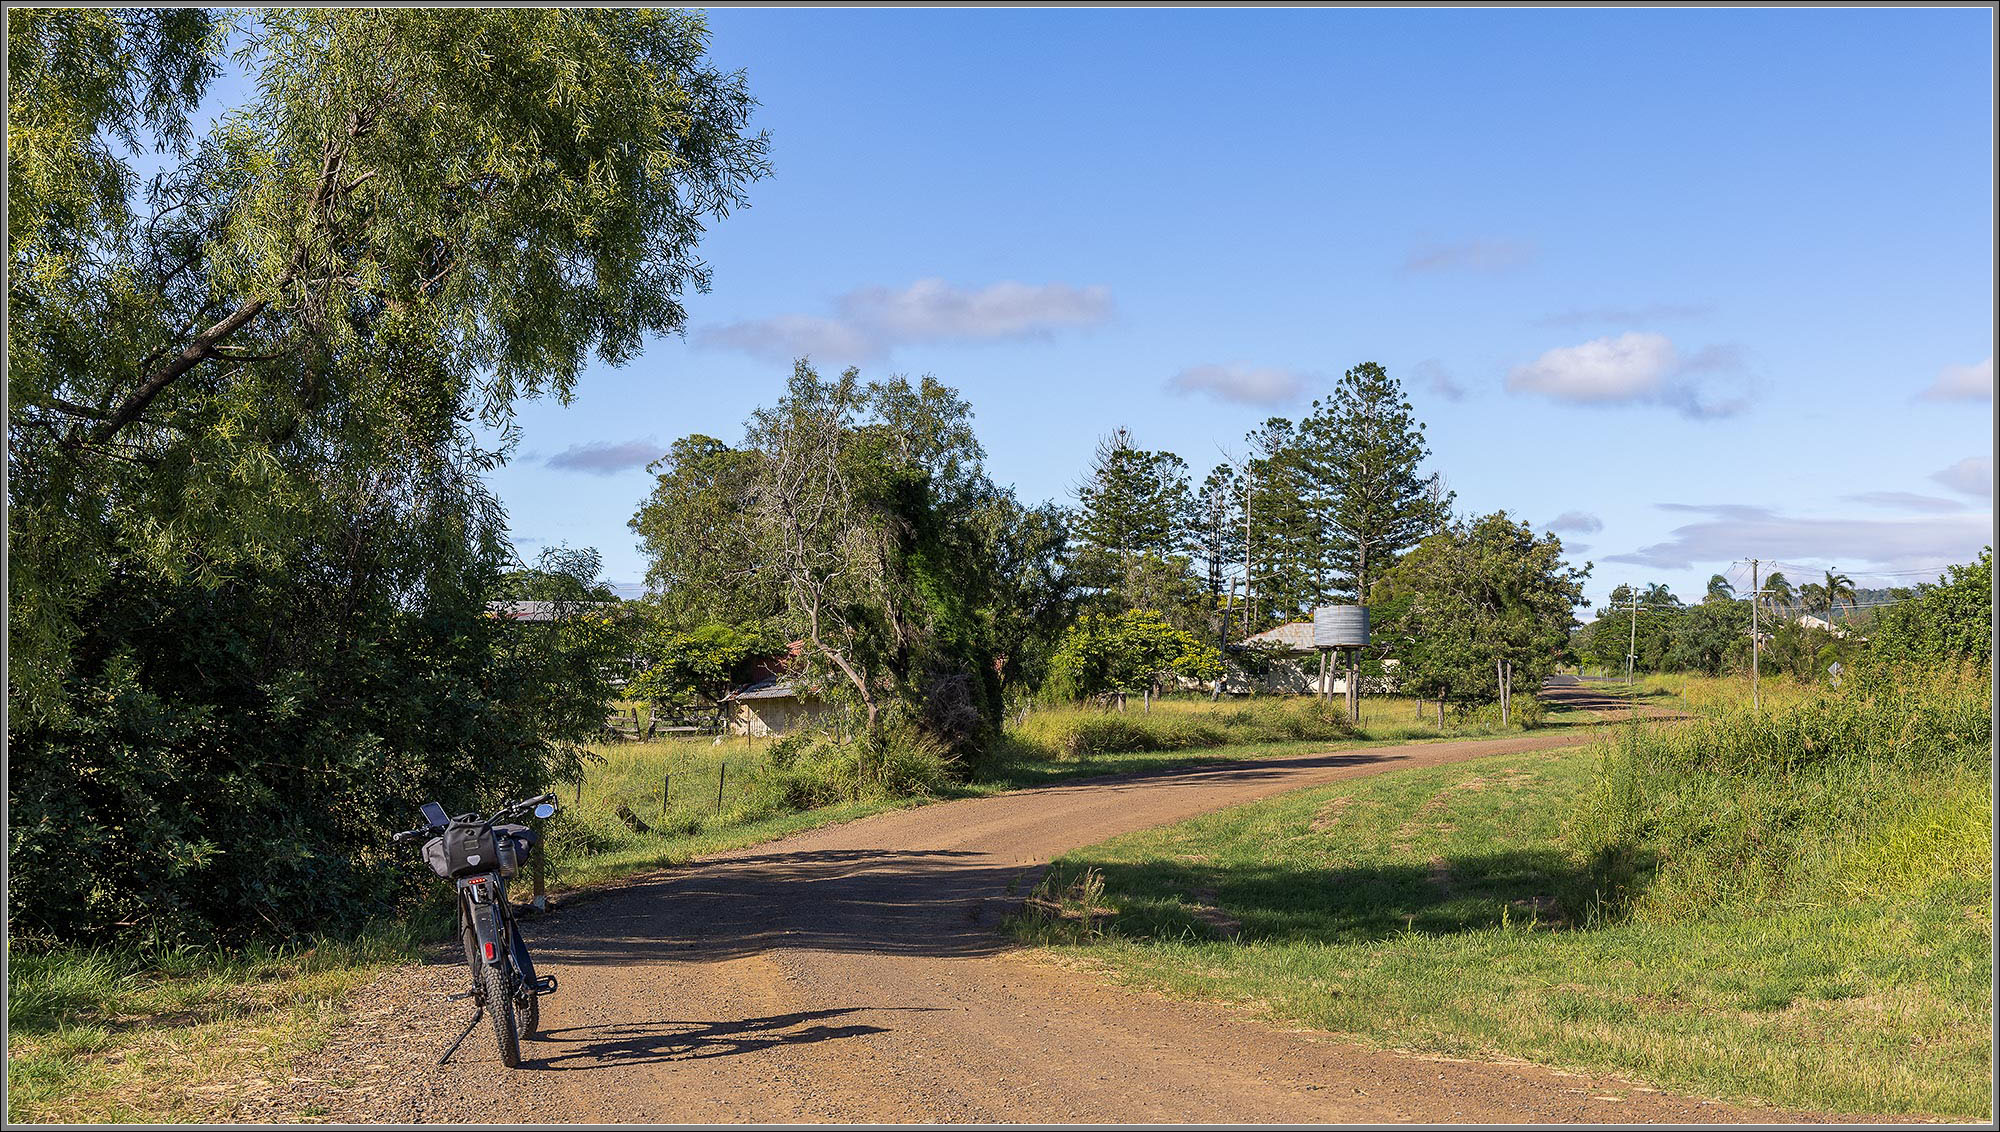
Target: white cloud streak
x=1972 y=475
x=1732 y=531
x=1241 y=383
x=870 y=322
x=1434 y=377
x=607 y=458
x=1582 y=522
x=1635 y=368
x=1963 y=383
x=789 y=336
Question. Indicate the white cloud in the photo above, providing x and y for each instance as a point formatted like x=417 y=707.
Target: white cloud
x=933 y=310
x=872 y=321
x=1963 y=383
x=1240 y=382
x=1732 y=531
x=1638 y=367
x=1438 y=379
x=1470 y=255
x=1972 y=475
x=789 y=336
x=607 y=458
x=1582 y=522
x=1629 y=367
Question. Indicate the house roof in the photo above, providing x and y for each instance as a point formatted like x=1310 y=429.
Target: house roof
x=1296 y=635
x=535 y=611
x=763 y=690
x=1811 y=622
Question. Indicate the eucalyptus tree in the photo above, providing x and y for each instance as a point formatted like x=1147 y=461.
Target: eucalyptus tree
x=248 y=540
x=893 y=551
x=1484 y=609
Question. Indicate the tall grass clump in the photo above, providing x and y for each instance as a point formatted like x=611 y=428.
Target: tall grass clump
x=903 y=762
x=1876 y=787
x=1075 y=732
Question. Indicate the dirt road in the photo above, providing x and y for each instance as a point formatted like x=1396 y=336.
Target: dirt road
x=855 y=973
x=1605 y=699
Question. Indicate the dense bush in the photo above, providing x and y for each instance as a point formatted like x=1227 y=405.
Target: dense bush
x=1949 y=621
x=231 y=761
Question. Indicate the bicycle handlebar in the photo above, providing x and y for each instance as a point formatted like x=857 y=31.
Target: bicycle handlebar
x=423 y=832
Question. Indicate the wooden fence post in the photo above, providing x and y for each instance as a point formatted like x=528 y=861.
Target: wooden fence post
x=541 y=889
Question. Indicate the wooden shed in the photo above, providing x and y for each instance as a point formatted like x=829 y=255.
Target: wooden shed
x=771 y=707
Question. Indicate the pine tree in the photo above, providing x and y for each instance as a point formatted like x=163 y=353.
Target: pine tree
x=1216 y=535
x=1135 y=509
x=1362 y=448
x=1287 y=546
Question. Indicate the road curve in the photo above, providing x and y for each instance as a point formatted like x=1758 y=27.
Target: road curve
x=855 y=973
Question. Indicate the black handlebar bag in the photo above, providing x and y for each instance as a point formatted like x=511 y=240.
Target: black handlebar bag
x=469 y=846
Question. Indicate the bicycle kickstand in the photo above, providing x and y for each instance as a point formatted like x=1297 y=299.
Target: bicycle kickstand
x=469 y=1026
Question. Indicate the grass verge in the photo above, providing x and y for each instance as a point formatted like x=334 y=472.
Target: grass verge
x=1669 y=906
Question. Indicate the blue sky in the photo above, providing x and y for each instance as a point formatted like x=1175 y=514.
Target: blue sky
x=1695 y=286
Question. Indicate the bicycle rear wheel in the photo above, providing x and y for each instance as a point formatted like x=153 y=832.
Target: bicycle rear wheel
x=501 y=1006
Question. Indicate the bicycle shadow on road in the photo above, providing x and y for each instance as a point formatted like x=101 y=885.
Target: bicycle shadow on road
x=637 y=1043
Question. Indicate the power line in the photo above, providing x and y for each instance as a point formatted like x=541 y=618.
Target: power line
x=1937 y=571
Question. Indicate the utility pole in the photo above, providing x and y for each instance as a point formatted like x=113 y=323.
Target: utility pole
x=1754 y=589
x=1249 y=493
x=1632 y=647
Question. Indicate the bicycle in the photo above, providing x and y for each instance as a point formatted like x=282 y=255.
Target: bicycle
x=478 y=855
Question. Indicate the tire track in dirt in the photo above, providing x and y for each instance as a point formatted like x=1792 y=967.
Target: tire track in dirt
x=856 y=973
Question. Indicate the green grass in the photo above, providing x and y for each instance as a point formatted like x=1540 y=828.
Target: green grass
x=178 y=1034
x=1699 y=694
x=1815 y=937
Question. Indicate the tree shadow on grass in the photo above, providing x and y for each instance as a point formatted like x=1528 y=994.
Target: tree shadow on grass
x=1288 y=904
